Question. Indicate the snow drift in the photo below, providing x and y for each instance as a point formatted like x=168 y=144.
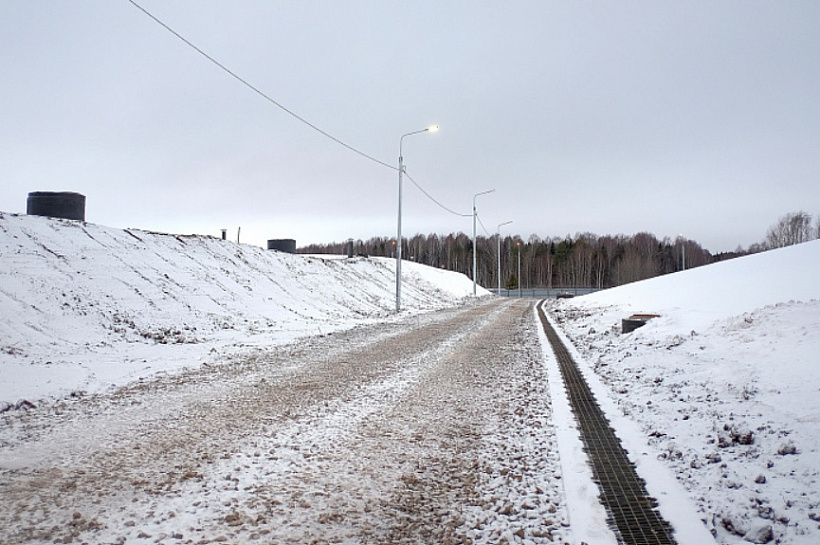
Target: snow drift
x=724 y=386
x=696 y=298
x=84 y=306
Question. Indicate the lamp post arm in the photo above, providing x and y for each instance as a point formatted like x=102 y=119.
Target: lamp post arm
x=432 y=128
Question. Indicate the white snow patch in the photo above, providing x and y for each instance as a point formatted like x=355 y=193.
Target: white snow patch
x=724 y=386
x=85 y=307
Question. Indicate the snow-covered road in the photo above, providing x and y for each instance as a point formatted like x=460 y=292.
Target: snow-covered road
x=437 y=429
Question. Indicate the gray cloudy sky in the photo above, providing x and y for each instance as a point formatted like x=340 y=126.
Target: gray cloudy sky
x=693 y=118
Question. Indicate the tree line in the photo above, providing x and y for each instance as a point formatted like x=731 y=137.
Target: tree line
x=793 y=228
x=584 y=260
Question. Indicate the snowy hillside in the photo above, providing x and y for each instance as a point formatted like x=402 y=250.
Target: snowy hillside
x=84 y=306
x=723 y=388
x=725 y=385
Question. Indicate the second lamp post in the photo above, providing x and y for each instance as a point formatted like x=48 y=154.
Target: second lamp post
x=500 y=225
x=431 y=128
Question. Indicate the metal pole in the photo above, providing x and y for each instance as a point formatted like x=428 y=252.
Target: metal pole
x=474 y=248
x=474 y=256
x=398 y=236
x=500 y=225
x=499 y=262
x=519 y=270
x=432 y=128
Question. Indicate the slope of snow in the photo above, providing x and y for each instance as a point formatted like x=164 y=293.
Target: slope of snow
x=724 y=386
x=721 y=391
x=83 y=307
x=698 y=297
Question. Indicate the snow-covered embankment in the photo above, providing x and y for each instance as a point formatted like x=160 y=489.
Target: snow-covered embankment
x=725 y=385
x=83 y=306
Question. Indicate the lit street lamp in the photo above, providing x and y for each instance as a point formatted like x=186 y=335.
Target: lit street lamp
x=498 y=233
x=474 y=218
x=431 y=128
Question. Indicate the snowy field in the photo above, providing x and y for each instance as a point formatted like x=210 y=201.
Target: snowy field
x=109 y=335
x=85 y=307
x=724 y=385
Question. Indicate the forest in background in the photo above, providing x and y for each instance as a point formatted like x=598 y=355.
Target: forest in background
x=585 y=260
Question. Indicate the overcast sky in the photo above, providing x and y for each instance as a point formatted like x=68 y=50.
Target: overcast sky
x=692 y=118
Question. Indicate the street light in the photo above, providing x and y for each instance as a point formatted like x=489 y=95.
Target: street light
x=474 y=252
x=498 y=232
x=682 y=241
x=431 y=128
x=519 y=268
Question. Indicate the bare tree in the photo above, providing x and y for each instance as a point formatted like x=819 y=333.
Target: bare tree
x=793 y=228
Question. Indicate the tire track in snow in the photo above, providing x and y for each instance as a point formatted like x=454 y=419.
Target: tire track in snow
x=380 y=434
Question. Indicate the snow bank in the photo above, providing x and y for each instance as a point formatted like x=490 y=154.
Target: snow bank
x=84 y=306
x=724 y=387
x=698 y=297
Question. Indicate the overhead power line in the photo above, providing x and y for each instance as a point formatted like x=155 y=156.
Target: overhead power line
x=293 y=114
x=257 y=90
x=450 y=210
x=482 y=224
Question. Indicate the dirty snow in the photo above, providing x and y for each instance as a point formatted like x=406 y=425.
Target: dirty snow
x=433 y=429
x=159 y=388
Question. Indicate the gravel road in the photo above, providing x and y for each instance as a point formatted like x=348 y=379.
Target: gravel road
x=435 y=429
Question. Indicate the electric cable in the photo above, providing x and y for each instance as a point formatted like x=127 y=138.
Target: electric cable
x=257 y=90
x=434 y=200
x=482 y=224
x=285 y=109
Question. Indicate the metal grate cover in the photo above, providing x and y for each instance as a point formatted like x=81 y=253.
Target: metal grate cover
x=632 y=513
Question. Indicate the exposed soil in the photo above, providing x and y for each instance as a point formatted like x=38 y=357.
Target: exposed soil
x=436 y=429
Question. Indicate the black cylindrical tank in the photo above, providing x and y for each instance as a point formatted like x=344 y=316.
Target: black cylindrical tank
x=283 y=245
x=56 y=204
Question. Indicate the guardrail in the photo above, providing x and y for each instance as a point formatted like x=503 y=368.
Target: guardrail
x=544 y=293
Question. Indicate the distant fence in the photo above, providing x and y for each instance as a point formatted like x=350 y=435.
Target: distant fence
x=544 y=293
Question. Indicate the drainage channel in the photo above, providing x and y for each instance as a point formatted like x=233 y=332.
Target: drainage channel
x=632 y=513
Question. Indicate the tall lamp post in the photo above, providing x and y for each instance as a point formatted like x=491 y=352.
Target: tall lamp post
x=519 y=269
x=431 y=128
x=474 y=251
x=498 y=232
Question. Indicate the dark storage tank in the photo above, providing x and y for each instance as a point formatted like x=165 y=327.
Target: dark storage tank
x=56 y=204
x=287 y=245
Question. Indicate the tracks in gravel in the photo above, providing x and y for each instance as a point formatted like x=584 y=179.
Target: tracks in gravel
x=434 y=430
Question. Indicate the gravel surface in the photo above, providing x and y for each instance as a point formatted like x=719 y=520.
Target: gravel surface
x=436 y=429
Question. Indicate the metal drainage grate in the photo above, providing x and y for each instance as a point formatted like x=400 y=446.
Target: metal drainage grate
x=632 y=513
